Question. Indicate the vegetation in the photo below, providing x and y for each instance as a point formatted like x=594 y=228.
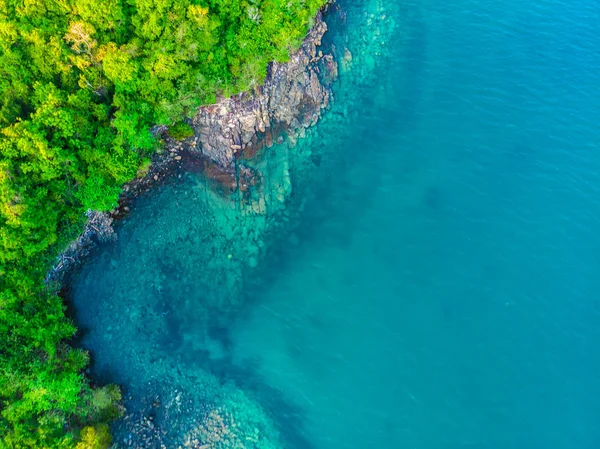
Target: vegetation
x=180 y=130
x=81 y=83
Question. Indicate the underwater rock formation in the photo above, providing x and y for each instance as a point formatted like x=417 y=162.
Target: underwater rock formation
x=238 y=422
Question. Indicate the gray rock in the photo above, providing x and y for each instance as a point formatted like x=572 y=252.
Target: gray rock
x=292 y=98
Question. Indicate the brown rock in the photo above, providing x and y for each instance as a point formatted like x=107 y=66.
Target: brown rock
x=269 y=139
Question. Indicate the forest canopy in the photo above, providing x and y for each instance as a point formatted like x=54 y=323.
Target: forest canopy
x=82 y=82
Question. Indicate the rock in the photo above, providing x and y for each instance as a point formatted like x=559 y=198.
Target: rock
x=261 y=126
x=268 y=139
x=291 y=90
x=177 y=158
x=347 y=60
x=97 y=228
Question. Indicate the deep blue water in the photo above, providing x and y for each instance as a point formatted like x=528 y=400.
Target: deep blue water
x=434 y=283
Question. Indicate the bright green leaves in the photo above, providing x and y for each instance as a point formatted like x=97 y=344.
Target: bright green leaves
x=8 y=35
x=132 y=122
x=104 y=15
x=197 y=15
x=119 y=66
x=99 y=193
x=95 y=437
x=153 y=17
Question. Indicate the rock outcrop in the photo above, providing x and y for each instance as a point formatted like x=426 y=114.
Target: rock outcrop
x=98 y=228
x=292 y=98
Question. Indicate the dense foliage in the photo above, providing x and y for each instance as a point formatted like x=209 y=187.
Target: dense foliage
x=180 y=131
x=81 y=83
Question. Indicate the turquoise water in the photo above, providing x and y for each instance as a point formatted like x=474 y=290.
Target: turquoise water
x=433 y=279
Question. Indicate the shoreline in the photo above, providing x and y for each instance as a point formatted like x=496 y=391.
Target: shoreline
x=228 y=136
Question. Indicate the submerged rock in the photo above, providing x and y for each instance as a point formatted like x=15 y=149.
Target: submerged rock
x=235 y=422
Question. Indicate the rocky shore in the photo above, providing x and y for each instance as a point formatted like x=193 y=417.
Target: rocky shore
x=228 y=137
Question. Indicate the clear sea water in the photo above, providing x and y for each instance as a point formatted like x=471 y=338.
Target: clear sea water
x=434 y=281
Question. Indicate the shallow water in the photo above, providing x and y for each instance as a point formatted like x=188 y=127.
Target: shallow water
x=433 y=281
